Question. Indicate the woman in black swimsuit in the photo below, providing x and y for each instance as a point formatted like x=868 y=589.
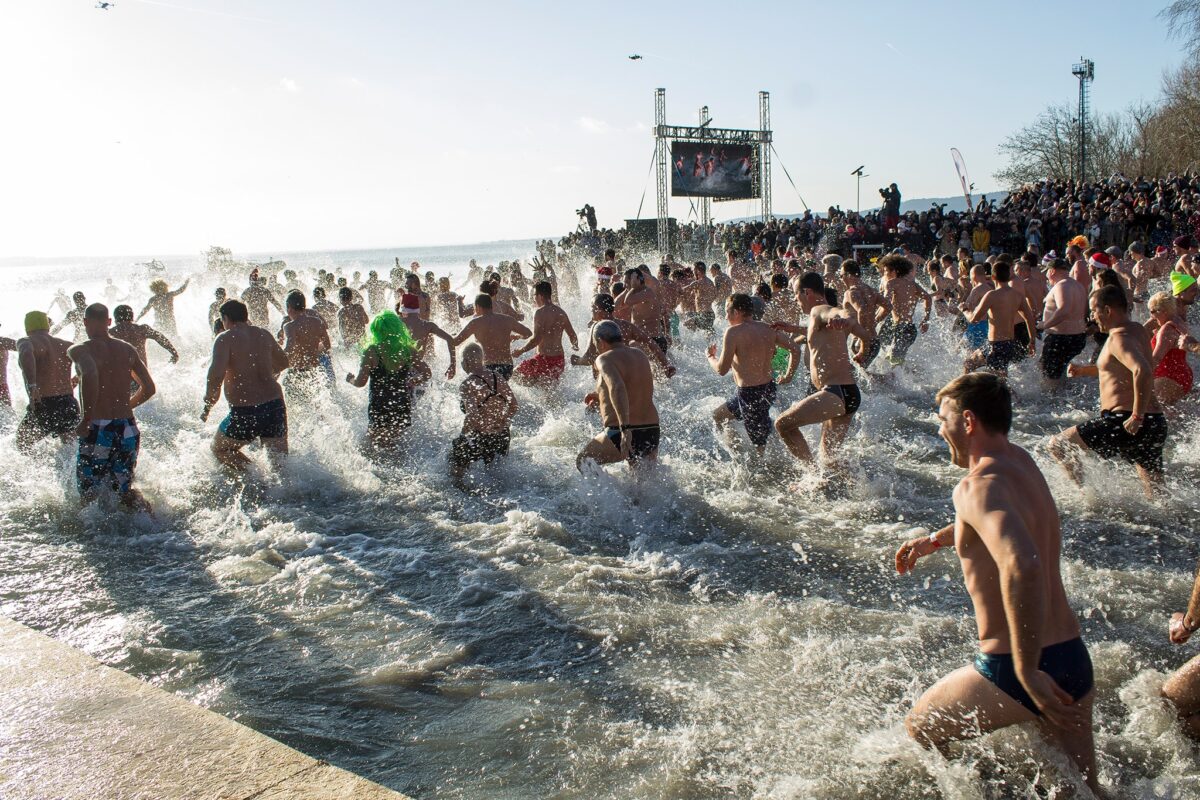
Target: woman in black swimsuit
x=387 y=354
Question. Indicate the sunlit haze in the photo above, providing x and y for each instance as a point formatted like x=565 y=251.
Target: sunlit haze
x=166 y=127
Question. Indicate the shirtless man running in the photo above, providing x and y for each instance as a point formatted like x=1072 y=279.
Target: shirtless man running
x=1032 y=664
x=748 y=348
x=864 y=303
x=46 y=369
x=549 y=324
x=643 y=307
x=603 y=307
x=137 y=334
x=1131 y=423
x=625 y=395
x=495 y=333
x=904 y=294
x=697 y=298
x=109 y=438
x=1183 y=687
x=836 y=396
x=1001 y=307
x=306 y=343
x=246 y=363
x=424 y=331
x=1064 y=321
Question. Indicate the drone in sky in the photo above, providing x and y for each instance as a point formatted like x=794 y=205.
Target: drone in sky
x=635 y=57
x=103 y=6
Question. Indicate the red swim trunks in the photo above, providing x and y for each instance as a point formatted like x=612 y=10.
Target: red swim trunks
x=542 y=369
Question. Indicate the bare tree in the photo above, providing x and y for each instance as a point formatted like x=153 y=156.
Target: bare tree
x=1183 y=22
x=1045 y=149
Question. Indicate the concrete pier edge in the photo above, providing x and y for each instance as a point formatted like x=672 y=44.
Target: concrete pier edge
x=72 y=728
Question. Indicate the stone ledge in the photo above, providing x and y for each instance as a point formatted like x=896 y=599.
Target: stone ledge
x=74 y=729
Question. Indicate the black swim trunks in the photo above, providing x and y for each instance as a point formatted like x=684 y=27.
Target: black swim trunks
x=998 y=355
x=1021 y=337
x=1107 y=437
x=900 y=336
x=485 y=447
x=246 y=423
x=1057 y=352
x=1068 y=663
x=850 y=395
x=503 y=370
x=48 y=416
x=752 y=405
x=390 y=402
x=662 y=341
x=645 y=440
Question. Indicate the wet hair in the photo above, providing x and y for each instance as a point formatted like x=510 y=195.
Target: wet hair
x=123 y=313
x=607 y=331
x=617 y=288
x=831 y=261
x=604 y=302
x=610 y=254
x=680 y=274
x=483 y=300
x=318 y=293
x=779 y=282
x=1111 y=297
x=472 y=352
x=901 y=265
x=235 y=311
x=699 y=265
x=935 y=267
x=664 y=270
x=345 y=295
x=763 y=290
x=543 y=289
x=983 y=394
x=742 y=303
x=96 y=311
x=850 y=267
x=813 y=281
x=1109 y=277
x=295 y=299
x=1002 y=271
x=443 y=284
x=1058 y=263
x=220 y=292
x=158 y=286
x=633 y=273
x=78 y=297
x=1163 y=301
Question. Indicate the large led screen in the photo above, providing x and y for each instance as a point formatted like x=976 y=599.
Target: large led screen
x=713 y=170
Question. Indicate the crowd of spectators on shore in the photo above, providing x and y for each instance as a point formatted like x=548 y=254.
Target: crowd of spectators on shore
x=1042 y=216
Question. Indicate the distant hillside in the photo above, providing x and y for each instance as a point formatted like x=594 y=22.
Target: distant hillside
x=958 y=203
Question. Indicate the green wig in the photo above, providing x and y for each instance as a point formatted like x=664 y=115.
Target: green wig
x=388 y=333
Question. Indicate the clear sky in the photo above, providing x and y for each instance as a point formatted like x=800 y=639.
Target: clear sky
x=272 y=125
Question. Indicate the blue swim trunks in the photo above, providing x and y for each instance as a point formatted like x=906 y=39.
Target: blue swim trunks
x=107 y=456
x=976 y=335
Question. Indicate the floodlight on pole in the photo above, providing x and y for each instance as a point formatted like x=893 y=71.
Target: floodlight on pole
x=858 y=173
x=1085 y=71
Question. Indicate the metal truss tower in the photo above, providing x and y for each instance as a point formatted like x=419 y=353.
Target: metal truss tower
x=663 y=164
x=705 y=202
x=1085 y=71
x=764 y=125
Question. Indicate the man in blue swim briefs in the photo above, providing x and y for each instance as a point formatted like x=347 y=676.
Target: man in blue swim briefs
x=246 y=362
x=109 y=439
x=1032 y=664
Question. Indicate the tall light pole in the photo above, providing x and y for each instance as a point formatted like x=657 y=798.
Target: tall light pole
x=1085 y=71
x=858 y=173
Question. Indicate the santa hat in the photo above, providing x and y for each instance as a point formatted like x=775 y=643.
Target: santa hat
x=410 y=304
x=1100 y=261
x=1161 y=250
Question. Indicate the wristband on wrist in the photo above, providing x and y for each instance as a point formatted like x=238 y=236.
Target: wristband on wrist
x=933 y=540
